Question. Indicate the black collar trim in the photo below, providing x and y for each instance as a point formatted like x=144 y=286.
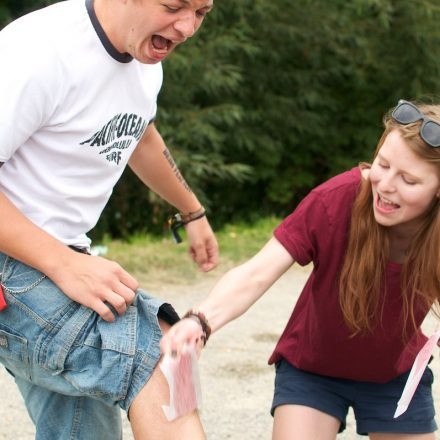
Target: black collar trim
x=111 y=50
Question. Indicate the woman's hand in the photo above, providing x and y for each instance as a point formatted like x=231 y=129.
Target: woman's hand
x=186 y=332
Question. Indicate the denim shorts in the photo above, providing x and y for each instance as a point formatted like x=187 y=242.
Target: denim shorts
x=373 y=404
x=72 y=367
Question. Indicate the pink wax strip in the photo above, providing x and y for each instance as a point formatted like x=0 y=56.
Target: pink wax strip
x=182 y=375
x=420 y=363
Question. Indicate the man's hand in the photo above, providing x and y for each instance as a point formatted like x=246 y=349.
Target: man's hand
x=96 y=283
x=203 y=246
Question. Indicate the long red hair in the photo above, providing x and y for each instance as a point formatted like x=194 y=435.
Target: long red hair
x=362 y=275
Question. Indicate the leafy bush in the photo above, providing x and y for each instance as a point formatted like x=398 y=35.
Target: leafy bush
x=272 y=97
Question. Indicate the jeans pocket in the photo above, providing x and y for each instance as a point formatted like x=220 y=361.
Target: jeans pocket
x=54 y=347
x=14 y=353
x=19 y=278
x=101 y=364
x=86 y=355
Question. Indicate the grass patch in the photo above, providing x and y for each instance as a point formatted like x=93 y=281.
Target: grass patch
x=159 y=260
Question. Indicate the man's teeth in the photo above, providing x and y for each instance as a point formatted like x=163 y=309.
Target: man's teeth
x=164 y=49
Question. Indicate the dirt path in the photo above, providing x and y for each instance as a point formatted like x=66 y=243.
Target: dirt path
x=236 y=381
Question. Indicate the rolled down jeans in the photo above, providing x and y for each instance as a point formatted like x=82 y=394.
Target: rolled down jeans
x=74 y=369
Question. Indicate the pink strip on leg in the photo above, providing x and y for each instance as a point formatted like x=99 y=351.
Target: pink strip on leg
x=182 y=375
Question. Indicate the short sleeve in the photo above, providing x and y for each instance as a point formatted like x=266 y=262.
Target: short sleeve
x=153 y=114
x=306 y=230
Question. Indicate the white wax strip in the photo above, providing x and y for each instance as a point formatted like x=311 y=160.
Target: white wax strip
x=182 y=375
x=420 y=363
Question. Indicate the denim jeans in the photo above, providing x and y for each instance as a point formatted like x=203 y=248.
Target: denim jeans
x=74 y=369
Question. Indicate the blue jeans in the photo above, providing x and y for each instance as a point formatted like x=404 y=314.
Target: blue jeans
x=74 y=369
x=57 y=416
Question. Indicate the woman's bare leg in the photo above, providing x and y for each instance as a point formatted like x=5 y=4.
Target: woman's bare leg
x=297 y=422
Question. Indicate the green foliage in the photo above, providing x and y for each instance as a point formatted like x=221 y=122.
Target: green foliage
x=154 y=259
x=272 y=97
x=10 y=9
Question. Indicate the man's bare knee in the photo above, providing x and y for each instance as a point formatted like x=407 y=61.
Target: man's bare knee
x=147 y=418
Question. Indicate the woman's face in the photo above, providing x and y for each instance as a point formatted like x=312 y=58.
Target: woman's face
x=404 y=186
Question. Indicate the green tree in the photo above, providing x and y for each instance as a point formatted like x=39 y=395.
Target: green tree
x=271 y=97
x=10 y=9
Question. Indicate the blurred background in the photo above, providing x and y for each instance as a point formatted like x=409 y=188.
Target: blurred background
x=271 y=97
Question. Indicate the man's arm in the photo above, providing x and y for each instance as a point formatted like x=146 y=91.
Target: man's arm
x=91 y=281
x=153 y=164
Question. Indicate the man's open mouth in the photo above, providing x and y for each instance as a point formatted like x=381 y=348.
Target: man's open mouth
x=161 y=44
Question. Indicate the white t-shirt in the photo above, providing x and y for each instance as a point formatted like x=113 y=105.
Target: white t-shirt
x=72 y=110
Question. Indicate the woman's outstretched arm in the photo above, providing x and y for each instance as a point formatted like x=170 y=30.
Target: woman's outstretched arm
x=232 y=295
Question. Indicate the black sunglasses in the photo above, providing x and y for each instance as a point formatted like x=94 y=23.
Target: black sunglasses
x=407 y=113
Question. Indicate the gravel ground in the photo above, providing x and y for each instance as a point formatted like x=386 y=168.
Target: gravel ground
x=237 y=383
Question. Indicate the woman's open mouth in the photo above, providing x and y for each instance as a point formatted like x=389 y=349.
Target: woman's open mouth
x=386 y=205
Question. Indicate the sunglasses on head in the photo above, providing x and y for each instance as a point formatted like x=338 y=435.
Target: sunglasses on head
x=407 y=113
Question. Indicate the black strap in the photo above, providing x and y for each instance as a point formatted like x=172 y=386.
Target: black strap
x=80 y=250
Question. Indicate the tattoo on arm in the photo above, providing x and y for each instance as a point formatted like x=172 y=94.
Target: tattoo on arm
x=176 y=171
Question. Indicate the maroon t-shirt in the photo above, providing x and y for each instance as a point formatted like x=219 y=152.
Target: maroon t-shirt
x=316 y=338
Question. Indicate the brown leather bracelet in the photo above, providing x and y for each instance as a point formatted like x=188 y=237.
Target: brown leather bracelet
x=179 y=220
x=191 y=216
x=201 y=319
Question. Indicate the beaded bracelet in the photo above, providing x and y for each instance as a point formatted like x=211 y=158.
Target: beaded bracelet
x=201 y=319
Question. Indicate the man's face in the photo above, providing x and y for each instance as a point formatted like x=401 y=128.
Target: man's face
x=156 y=27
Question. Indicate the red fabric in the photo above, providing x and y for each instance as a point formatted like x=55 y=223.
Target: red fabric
x=316 y=338
x=3 y=304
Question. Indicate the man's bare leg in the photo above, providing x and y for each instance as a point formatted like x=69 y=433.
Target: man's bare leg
x=147 y=418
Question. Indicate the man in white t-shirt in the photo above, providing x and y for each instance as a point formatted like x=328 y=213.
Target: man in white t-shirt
x=78 y=90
